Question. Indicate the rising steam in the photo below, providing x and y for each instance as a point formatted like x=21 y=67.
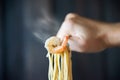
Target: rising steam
x=39 y=20
x=45 y=27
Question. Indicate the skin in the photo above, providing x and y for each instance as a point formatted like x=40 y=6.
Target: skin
x=89 y=36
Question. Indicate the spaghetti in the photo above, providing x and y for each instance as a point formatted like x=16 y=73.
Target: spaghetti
x=59 y=55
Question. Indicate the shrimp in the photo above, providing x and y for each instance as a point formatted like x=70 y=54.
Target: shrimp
x=54 y=44
x=61 y=48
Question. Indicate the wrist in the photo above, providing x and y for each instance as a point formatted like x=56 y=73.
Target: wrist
x=111 y=34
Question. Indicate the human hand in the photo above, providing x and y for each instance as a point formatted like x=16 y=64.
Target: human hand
x=86 y=34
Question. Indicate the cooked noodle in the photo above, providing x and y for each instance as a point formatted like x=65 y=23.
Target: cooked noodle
x=60 y=64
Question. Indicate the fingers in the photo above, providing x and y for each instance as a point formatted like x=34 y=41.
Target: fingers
x=65 y=29
x=69 y=28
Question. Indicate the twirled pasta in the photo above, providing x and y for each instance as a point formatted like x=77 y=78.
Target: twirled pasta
x=60 y=64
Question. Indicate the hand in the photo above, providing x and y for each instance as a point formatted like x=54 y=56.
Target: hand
x=86 y=34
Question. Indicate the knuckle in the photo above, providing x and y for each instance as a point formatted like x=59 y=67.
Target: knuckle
x=71 y=19
x=71 y=16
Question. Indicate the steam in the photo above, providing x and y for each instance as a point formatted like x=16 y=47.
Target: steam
x=42 y=24
x=39 y=20
x=45 y=27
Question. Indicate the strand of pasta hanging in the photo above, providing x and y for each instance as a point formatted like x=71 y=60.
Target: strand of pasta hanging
x=59 y=55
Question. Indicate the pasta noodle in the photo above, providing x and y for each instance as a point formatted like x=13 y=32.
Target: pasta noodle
x=60 y=64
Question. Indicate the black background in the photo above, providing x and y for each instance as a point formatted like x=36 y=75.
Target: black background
x=22 y=55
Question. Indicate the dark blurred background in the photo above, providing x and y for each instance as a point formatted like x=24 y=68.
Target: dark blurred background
x=22 y=54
